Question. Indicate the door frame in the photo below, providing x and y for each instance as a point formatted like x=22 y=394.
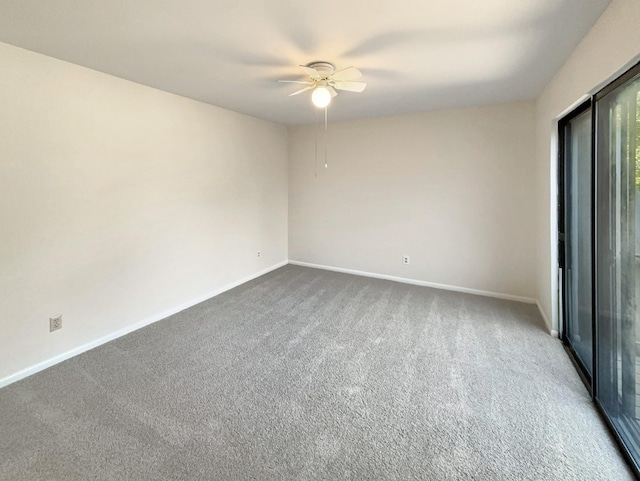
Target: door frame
x=587 y=378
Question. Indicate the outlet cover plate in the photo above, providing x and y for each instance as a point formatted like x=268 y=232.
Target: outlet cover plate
x=55 y=323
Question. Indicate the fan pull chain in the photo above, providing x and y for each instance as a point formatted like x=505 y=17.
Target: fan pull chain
x=316 y=161
x=325 y=136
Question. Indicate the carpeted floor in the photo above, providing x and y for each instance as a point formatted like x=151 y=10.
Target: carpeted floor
x=305 y=374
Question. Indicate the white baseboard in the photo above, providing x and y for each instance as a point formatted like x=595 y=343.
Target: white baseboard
x=126 y=330
x=416 y=282
x=552 y=331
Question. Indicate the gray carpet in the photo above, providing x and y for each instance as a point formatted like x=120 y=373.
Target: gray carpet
x=305 y=374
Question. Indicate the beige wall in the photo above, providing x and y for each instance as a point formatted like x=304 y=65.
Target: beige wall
x=612 y=45
x=121 y=202
x=452 y=189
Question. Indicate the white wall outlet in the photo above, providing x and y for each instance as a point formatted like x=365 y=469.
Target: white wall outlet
x=259 y=254
x=405 y=260
x=55 y=323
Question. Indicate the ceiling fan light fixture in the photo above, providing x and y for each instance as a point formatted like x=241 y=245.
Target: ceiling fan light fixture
x=323 y=79
x=321 y=97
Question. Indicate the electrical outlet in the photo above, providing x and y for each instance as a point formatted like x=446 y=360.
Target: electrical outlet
x=259 y=254
x=405 y=260
x=55 y=323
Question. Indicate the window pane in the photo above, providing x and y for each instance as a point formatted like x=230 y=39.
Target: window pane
x=618 y=259
x=577 y=230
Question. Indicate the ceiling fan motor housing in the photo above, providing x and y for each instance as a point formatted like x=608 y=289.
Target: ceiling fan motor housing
x=325 y=69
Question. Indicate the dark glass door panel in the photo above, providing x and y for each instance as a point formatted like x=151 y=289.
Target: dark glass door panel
x=578 y=295
x=618 y=258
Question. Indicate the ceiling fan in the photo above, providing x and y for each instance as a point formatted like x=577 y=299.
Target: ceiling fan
x=324 y=80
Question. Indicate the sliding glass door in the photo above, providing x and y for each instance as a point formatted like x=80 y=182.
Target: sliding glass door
x=618 y=258
x=599 y=251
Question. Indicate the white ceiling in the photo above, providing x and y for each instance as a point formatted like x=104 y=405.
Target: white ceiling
x=415 y=54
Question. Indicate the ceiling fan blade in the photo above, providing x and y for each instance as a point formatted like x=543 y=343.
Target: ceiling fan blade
x=303 y=82
x=332 y=91
x=349 y=73
x=350 y=86
x=301 y=90
x=311 y=72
